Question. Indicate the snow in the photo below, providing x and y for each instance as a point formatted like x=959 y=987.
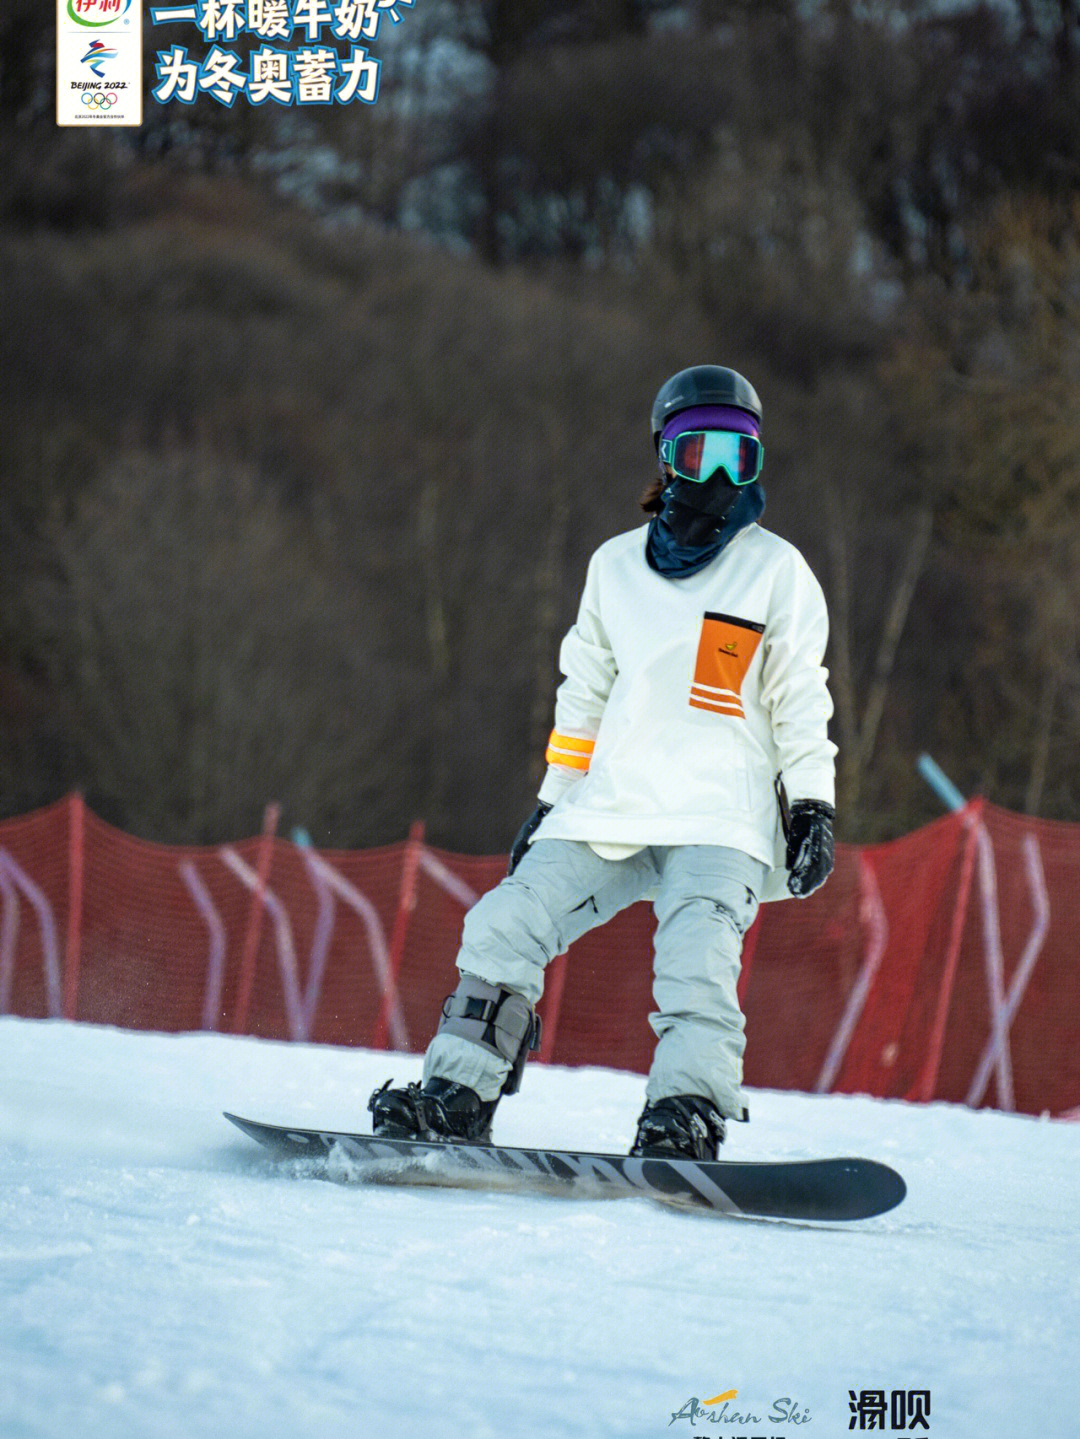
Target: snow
x=161 y=1276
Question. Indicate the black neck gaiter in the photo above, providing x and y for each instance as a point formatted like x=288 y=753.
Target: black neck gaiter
x=684 y=537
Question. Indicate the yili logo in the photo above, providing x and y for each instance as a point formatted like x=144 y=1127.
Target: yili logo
x=98 y=13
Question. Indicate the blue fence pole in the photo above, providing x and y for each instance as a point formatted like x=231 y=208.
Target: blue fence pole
x=940 y=783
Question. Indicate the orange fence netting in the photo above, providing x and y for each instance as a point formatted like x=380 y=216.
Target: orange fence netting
x=942 y=965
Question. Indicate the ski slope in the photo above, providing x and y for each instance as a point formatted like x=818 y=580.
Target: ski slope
x=159 y=1276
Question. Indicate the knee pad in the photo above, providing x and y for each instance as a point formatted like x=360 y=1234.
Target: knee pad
x=499 y=1020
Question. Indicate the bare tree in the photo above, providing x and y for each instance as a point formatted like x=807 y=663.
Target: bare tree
x=198 y=646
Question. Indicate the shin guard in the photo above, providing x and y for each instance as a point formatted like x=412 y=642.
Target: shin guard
x=499 y=1020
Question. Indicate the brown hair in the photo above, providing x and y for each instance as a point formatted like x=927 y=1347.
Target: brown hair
x=650 y=500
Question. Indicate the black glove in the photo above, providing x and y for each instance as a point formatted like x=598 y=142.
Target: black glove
x=525 y=834
x=809 y=846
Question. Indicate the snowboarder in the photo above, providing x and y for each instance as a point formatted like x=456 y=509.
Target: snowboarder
x=694 y=703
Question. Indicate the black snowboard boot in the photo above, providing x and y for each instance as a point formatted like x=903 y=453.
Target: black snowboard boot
x=685 y=1126
x=441 y=1110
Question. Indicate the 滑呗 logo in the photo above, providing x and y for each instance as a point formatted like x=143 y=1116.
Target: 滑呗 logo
x=97 y=13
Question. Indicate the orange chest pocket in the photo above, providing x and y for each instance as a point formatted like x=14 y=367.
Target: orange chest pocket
x=725 y=651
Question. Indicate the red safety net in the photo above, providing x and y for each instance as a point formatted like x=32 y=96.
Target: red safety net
x=942 y=965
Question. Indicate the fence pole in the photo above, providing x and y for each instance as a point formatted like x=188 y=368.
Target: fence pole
x=924 y=1086
x=253 y=934
x=9 y=933
x=76 y=868
x=873 y=918
x=410 y=868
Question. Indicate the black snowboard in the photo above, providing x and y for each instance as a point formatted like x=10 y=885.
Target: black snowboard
x=826 y=1189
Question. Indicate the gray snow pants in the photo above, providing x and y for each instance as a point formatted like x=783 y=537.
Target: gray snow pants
x=705 y=899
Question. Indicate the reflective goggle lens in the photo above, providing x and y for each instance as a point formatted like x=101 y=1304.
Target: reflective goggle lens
x=698 y=454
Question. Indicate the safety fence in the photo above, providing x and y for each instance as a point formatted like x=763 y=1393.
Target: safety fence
x=942 y=965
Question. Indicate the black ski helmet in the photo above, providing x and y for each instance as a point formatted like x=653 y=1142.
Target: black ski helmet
x=702 y=385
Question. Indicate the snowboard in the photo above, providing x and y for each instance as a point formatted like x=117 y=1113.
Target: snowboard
x=810 y=1189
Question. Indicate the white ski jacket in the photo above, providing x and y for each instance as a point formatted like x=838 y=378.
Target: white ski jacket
x=685 y=699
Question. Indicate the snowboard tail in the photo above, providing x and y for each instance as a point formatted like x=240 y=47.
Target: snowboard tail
x=819 y=1189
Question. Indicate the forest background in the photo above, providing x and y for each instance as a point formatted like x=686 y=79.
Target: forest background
x=311 y=420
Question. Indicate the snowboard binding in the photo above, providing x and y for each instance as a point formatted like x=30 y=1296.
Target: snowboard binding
x=684 y=1126
x=441 y=1111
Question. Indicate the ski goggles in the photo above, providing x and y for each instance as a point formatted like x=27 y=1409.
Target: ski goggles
x=698 y=454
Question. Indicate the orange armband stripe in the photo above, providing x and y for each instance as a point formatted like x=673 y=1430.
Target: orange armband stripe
x=571 y=751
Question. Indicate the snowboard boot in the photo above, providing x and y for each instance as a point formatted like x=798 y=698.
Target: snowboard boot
x=685 y=1126
x=441 y=1111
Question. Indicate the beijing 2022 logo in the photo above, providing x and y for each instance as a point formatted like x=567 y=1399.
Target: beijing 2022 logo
x=97 y=13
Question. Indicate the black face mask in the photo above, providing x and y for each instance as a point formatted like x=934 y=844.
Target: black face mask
x=694 y=512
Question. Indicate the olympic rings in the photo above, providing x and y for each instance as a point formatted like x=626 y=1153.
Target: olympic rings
x=96 y=97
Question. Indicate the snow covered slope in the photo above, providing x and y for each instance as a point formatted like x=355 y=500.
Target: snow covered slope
x=159 y=1276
